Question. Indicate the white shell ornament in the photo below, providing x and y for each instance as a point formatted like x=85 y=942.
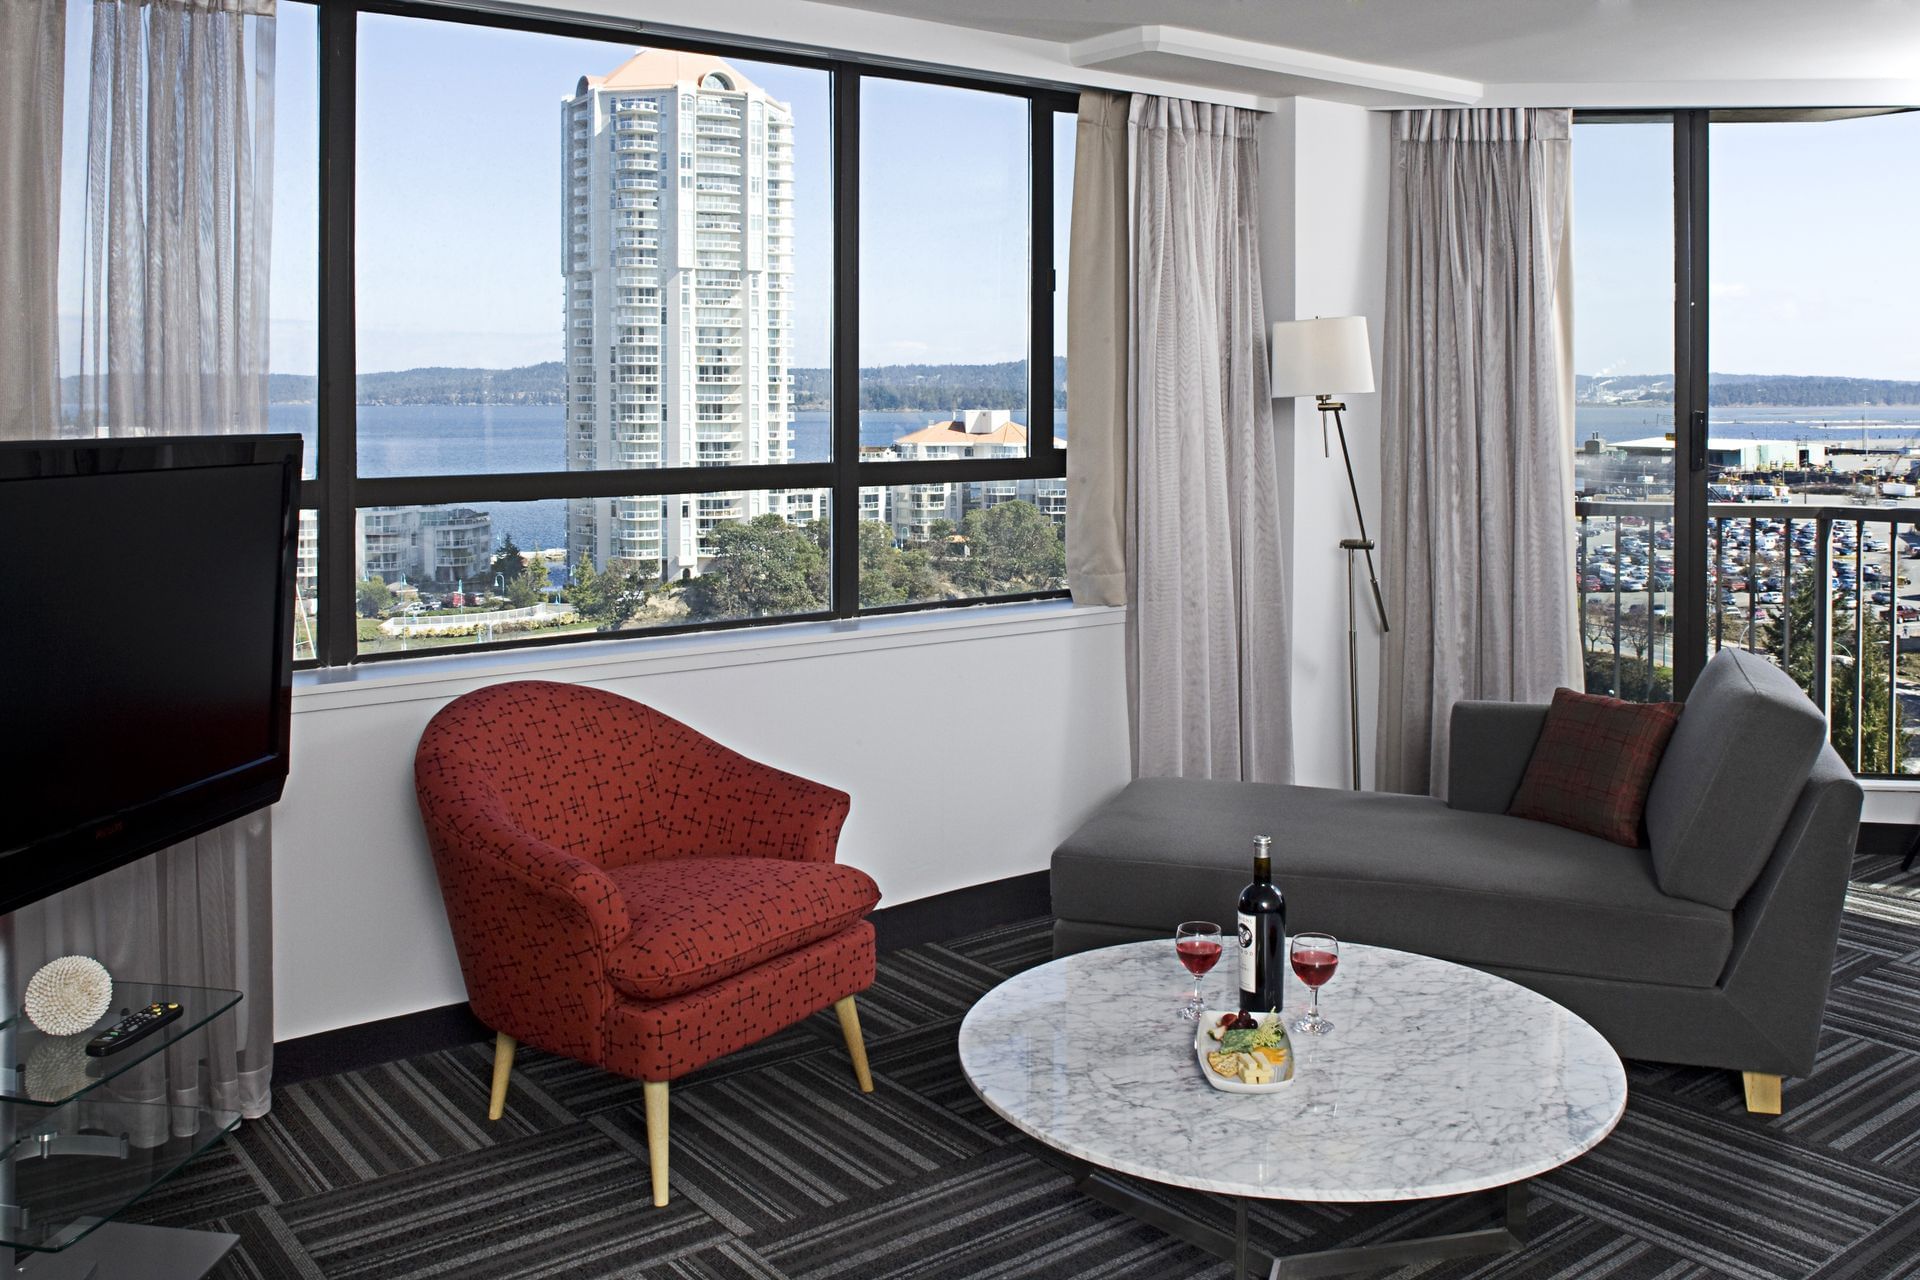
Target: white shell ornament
x=69 y=995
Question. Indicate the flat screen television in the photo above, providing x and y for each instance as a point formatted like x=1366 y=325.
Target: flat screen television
x=146 y=615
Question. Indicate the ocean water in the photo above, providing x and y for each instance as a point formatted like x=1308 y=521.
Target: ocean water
x=458 y=439
x=1884 y=425
x=433 y=439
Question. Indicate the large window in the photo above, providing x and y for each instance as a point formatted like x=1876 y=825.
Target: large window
x=1750 y=409
x=619 y=338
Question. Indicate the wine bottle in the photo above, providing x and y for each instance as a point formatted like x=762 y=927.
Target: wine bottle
x=1263 y=935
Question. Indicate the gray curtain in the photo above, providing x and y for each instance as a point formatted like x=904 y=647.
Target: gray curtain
x=1208 y=670
x=174 y=340
x=32 y=72
x=1097 y=354
x=1477 y=433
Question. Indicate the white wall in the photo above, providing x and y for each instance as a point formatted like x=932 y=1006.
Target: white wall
x=1323 y=253
x=972 y=742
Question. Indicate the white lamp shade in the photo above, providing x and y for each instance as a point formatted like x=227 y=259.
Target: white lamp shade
x=1325 y=357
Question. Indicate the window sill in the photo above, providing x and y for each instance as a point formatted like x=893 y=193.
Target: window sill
x=1895 y=800
x=442 y=677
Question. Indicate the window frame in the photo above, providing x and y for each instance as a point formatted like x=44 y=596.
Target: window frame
x=338 y=491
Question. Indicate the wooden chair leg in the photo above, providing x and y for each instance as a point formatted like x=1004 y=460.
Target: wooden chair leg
x=1763 y=1092
x=503 y=1045
x=656 y=1096
x=856 y=1046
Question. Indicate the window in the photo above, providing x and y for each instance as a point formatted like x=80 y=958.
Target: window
x=1623 y=413
x=1773 y=488
x=611 y=308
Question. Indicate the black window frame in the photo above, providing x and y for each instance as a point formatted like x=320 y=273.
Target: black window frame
x=1692 y=316
x=338 y=492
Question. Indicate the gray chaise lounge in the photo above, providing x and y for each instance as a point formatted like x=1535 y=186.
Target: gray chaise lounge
x=1713 y=948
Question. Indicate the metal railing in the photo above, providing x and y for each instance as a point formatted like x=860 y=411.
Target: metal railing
x=1759 y=554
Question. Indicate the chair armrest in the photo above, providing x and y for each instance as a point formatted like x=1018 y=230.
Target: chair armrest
x=741 y=806
x=1489 y=746
x=477 y=843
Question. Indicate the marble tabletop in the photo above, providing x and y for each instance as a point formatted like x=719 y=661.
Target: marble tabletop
x=1437 y=1079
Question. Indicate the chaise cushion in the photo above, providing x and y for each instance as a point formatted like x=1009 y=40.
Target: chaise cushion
x=1393 y=870
x=1732 y=773
x=696 y=921
x=1594 y=763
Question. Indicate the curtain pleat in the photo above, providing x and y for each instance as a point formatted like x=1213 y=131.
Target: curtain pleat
x=174 y=341
x=1097 y=354
x=1477 y=441
x=32 y=86
x=1208 y=670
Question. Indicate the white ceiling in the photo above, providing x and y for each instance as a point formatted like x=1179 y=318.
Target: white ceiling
x=1506 y=41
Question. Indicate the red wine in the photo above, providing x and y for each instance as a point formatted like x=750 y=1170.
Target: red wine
x=1198 y=954
x=1315 y=967
x=1263 y=935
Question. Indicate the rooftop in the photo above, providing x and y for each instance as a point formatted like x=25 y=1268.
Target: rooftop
x=662 y=68
x=954 y=434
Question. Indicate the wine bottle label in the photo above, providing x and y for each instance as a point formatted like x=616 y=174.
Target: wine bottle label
x=1248 y=952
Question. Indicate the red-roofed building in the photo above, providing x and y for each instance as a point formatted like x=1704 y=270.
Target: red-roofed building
x=976 y=433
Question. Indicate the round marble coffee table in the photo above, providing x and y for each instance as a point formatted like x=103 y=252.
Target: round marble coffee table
x=1437 y=1080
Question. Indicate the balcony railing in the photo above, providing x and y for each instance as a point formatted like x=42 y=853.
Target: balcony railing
x=1814 y=588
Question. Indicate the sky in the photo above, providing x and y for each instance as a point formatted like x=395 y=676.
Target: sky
x=460 y=215
x=1813 y=262
x=1814 y=265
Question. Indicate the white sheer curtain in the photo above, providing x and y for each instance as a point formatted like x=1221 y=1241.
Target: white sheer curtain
x=1477 y=429
x=32 y=71
x=1208 y=669
x=174 y=341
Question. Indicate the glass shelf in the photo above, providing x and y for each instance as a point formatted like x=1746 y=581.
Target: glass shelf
x=50 y=1071
x=72 y=1169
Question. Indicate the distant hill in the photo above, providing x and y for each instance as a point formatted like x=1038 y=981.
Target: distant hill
x=936 y=388
x=1749 y=389
x=529 y=384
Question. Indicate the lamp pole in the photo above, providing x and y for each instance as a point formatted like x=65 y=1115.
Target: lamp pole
x=1364 y=545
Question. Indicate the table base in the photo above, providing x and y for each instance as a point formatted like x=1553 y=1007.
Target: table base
x=1507 y=1237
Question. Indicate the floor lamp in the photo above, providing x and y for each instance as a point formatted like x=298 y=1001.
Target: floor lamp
x=1324 y=358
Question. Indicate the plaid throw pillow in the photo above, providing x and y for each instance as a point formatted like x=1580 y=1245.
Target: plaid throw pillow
x=1594 y=764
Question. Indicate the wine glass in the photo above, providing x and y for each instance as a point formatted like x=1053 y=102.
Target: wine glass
x=1197 y=943
x=1314 y=957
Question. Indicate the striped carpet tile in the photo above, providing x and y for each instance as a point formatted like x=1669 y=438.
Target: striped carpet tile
x=782 y=1170
x=795 y=1142
x=568 y=1203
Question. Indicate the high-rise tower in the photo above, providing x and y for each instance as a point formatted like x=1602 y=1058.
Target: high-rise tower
x=677 y=205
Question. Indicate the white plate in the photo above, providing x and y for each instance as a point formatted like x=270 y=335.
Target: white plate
x=1203 y=1045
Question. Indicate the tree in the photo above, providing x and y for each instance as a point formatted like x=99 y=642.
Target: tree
x=526 y=588
x=762 y=567
x=508 y=562
x=1012 y=547
x=889 y=575
x=1634 y=685
x=373 y=597
x=1796 y=625
x=607 y=598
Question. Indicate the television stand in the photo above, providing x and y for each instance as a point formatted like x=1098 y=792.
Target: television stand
x=78 y=1145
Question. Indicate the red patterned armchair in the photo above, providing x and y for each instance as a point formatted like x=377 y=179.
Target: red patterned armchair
x=629 y=893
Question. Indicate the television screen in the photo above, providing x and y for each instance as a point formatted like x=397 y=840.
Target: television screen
x=145 y=666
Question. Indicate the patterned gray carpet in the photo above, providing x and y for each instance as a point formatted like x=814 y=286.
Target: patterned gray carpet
x=783 y=1170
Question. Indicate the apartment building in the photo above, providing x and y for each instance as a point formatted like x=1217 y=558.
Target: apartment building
x=912 y=509
x=677 y=200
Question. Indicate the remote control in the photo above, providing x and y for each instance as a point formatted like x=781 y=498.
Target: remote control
x=132 y=1027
